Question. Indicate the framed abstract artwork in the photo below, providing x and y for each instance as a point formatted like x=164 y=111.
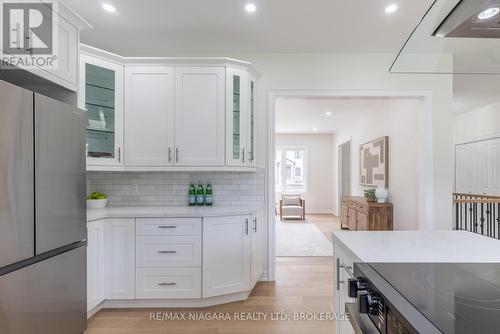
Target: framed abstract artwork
x=374 y=163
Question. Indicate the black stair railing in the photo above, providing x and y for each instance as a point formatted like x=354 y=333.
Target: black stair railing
x=477 y=213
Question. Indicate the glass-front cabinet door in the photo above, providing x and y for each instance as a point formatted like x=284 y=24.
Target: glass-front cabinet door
x=236 y=117
x=101 y=95
x=251 y=122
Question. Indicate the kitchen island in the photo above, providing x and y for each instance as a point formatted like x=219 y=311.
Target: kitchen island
x=172 y=256
x=404 y=247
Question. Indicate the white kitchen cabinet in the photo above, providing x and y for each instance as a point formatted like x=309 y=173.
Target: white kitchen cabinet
x=95 y=264
x=168 y=251
x=149 y=116
x=120 y=258
x=236 y=116
x=343 y=263
x=257 y=229
x=101 y=95
x=251 y=122
x=199 y=116
x=226 y=255
x=66 y=72
x=477 y=167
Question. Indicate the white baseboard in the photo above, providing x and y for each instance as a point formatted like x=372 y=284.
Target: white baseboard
x=264 y=277
x=169 y=303
x=320 y=212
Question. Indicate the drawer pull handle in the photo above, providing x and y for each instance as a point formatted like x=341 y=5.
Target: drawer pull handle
x=167 y=252
x=167 y=226
x=167 y=284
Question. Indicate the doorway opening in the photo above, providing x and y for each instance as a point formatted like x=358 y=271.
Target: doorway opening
x=362 y=116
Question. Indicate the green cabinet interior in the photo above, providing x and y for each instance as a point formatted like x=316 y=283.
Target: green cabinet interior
x=100 y=105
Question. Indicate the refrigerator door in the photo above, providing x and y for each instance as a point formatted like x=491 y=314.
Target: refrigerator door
x=47 y=297
x=60 y=174
x=16 y=174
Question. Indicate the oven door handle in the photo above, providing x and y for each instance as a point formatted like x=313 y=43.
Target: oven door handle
x=361 y=323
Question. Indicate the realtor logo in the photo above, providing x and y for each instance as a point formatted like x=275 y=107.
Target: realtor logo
x=29 y=34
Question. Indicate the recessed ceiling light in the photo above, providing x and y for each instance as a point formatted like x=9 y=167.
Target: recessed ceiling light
x=315 y=129
x=328 y=113
x=250 y=7
x=109 y=8
x=488 y=13
x=391 y=8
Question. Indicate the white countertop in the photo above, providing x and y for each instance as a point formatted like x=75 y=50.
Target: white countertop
x=175 y=212
x=420 y=246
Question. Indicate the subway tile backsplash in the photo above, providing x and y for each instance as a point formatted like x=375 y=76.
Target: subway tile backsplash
x=171 y=188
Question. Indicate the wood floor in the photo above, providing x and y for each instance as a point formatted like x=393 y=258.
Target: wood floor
x=304 y=284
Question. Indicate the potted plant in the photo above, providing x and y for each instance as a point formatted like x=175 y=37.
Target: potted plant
x=97 y=200
x=370 y=195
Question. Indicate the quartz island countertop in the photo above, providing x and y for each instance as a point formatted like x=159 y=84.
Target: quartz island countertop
x=174 y=212
x=419 y=246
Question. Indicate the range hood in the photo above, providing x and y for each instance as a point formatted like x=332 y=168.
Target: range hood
x=454 y=37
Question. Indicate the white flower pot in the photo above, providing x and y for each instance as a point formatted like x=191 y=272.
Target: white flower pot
x=382 y=194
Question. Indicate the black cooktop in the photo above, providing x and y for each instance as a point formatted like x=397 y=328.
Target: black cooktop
x=456 y=297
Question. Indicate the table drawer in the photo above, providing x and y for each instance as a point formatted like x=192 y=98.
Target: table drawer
x=163 y=251
x=168 y=226
x=166 y=283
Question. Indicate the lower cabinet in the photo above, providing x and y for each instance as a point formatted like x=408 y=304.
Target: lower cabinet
x=257 y=268
x=342 y=263
x=95 y=264
x=119 y=255
x=173 y=258
x=226 y=255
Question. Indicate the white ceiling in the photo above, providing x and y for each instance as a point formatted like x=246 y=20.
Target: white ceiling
x=185 y=27
x=303 y=115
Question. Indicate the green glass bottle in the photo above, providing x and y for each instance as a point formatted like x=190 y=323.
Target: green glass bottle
x=200 y=195
x=192 y=195
x=209 y=195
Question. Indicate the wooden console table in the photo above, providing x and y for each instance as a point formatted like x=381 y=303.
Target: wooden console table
x=357 y=214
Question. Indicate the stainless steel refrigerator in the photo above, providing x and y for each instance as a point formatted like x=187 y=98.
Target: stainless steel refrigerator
x=42 y=215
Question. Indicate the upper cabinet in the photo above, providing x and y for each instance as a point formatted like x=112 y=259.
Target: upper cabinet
x=101 y=96
x=251 y=122
x=236 y=116
x=67 y=32
x=149 y=121
x=145 y=115
x=199 y=116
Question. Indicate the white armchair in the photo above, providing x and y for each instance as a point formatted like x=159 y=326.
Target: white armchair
x=292 y=206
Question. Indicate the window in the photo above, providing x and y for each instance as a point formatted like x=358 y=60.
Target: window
x=291 y=164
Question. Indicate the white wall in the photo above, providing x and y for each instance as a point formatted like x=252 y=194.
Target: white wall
x=320 y=190
x=351 y=72
x=477 y=124
x=399 y=120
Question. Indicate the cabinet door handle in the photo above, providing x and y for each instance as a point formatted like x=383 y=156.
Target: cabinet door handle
x=338 y=275
x=246 y=226
x=167 y=284
x=167 y=252
x=167 y=226
x=119 y=154
x=255 y=224
x=169 y=154
x=243 y=155
x=250 y=156
x=177 y=154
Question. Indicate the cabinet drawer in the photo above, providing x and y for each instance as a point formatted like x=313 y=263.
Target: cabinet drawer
x=163 y=283
x=351 y=204
x=162 y=251
x=168 y=226
x=362 y=207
